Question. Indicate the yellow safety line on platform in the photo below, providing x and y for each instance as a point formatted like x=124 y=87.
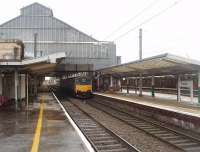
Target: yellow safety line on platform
x=36 y=139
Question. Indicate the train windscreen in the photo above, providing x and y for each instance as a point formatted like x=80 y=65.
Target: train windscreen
x=83 y=81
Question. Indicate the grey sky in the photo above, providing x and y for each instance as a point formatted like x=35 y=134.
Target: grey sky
x=176 y=31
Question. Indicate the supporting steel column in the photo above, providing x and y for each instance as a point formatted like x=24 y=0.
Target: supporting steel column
x=191 y=91
x=153 y=86
x=136 y=84
x=103 y=83
x=35 y=45
x=127 y=85
x=111 y=81
x=16 y=89
x=1 y=84
x=98 y=83
x=140 y=85
x=35 y=86
x=199 y=87
x=119 y=83
x=179 y=88
x=27 y=95
x=140 y=58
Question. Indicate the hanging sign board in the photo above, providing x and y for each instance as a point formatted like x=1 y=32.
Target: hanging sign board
x=187 y=84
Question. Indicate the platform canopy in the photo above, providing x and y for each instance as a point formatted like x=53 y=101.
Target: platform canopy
x=164 y=64
x=46 y=65
x=35 y=65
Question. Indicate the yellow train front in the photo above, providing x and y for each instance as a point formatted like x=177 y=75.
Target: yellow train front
x=83 y=87
x=80 y=87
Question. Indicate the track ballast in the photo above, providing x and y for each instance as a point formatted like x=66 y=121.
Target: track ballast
x=173 y=137
x=101 y=138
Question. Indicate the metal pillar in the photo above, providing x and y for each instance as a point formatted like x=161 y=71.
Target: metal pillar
x=27 y=95
x=35 y=86
x=119 y=83
x=1 y=84
x=136 y=84
x=199 y=87
x=153 y=86
x=16 y=89
x=140 y=44
x=103 y=83
x=98 y=83
x=140 y=57
x=140 y=85
x=127 y=85
x=191 y=91
x=35 y=45
x=111 y=81
x=179 y=88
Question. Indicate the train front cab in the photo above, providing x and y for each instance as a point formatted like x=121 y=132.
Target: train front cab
x=84 y=91
x=83 y=88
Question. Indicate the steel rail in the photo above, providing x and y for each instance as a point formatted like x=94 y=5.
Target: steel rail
x=171 y=136
x=100 y=137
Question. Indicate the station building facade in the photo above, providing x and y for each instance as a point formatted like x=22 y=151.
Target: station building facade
x=44 y=34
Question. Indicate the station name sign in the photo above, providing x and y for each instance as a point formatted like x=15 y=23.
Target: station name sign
x=187 y=84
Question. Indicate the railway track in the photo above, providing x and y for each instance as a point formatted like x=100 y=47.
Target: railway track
x=101 y=138
x=175 y=138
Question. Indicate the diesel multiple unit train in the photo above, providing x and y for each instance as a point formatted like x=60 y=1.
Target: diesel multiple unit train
x=80 y=87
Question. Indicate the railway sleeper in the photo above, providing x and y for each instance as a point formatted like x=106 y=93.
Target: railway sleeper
x=89 y=126
x=190 y=144
x=110 y=146
x=176 y=141
x=114 y=150
x=94 y=132
x=192 y=149
x=98 y=135
x=102 y=138
x=105 y=142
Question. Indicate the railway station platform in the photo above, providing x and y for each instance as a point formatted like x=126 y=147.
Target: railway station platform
x=43 y=127
x=168 y=103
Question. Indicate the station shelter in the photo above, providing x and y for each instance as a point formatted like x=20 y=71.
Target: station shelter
x=185 y=71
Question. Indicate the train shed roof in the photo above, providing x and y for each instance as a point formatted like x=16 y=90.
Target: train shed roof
x=164 y=64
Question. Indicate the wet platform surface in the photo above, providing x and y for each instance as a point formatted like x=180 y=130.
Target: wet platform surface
x=17 y=129
x=158 y=102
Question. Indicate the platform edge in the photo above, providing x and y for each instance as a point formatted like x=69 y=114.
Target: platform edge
x=83 y=138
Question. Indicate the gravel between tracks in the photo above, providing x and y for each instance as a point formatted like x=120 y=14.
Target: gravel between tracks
x=141 y=140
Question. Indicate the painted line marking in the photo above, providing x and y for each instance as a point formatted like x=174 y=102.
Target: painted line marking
x=84 y=139
x=36 y=139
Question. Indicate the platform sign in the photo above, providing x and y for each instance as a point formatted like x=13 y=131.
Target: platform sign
x=188 y=84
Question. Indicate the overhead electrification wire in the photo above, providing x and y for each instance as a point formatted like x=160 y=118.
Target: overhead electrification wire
x=132 y=18
x=148 y=20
